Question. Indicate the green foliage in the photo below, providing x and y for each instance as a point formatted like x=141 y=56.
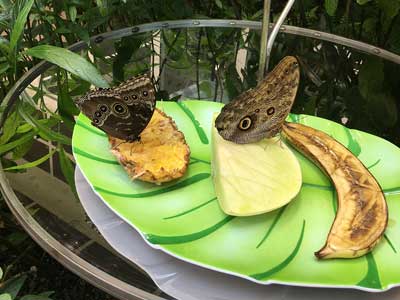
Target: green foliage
x=10 y=289
x=331 y=6
x=19 y=24
x=72 y=62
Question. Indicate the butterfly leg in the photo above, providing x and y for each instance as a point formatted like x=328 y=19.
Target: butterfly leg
x=133 y=138
x=279 y=140
x=117 y=145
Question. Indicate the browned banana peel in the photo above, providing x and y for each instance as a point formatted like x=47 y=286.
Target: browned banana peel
x=362 y=212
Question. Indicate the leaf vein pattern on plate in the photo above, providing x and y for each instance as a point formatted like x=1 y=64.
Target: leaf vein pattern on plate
x=180 y=184
x=392 y=191
x=200 y=131
x=191 y=210
x=195 y=159
x=276 y=219
x=284 y=263
x=179 y=239
x=93 y=157
x=390 y=243
x=371 y=279
x=374 y=164
x=353 y=145
x=90 y=128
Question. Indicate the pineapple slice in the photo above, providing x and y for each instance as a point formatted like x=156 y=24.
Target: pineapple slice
x=161 y=155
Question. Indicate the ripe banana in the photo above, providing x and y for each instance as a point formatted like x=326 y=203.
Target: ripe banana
x=362 y=212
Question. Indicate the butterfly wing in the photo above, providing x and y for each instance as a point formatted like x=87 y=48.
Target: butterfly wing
x=122 y=112
x=259 y=113
x=110 y=113
x=139 y=95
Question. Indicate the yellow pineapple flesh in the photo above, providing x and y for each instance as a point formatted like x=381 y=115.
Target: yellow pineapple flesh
x=161 y=155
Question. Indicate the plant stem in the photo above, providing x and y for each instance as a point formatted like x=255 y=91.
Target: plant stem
x=197 y=64
x=215 y=64
x=389 y=31
x=361 y=24
x=303 y=18
x=346 y=17
x=171 y=46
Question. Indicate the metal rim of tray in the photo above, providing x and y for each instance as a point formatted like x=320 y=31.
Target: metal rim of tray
x=62 y=254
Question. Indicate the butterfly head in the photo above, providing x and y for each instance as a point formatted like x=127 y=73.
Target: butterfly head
x=260 y=112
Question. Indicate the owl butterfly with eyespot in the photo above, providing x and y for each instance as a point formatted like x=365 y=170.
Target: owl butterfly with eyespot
x=260 y=112
x=123 y=111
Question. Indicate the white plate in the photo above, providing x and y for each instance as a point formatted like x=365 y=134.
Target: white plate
x=190 y=282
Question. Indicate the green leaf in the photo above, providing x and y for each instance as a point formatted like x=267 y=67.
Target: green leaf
x=11 y=145
x=80 y=31
x=102 y=4
x=4 y=67
x=24 y=128
x=371 y=76
x=6 y=4
x=69 y=61
x=35 y=297
x=17 y=238
x=362 y=2
x=67 y=168
x=63 y=30
x=33 y=163
x=1 y=273
x=5 y=297
x=44 y=131
x=20 y=23
x=9 y=128
x=65 y=103
x=218 y=3
x=331 y=6
x=382 y=108
x=80 y=89
x=4 y=46
x=47 y=294
x=125 y=49
x=394 y=39
x=20 y=151
x=233 y=82
x=72 y=13
x=5 y=163
x=13 y=286
x=370 y=26
x=390 y=9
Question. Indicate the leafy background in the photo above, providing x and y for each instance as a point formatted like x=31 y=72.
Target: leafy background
x=337 y=83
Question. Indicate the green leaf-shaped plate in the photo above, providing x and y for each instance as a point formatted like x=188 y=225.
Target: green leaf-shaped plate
x=183 y=217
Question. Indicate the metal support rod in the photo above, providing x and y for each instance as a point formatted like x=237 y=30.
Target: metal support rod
x=264 y=39
x=266 y=47
x=275 y=31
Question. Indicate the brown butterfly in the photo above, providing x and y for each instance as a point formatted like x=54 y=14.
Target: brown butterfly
x=260 y=112
x=123 y=111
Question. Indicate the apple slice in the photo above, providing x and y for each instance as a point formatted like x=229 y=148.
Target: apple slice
x=252 y=179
